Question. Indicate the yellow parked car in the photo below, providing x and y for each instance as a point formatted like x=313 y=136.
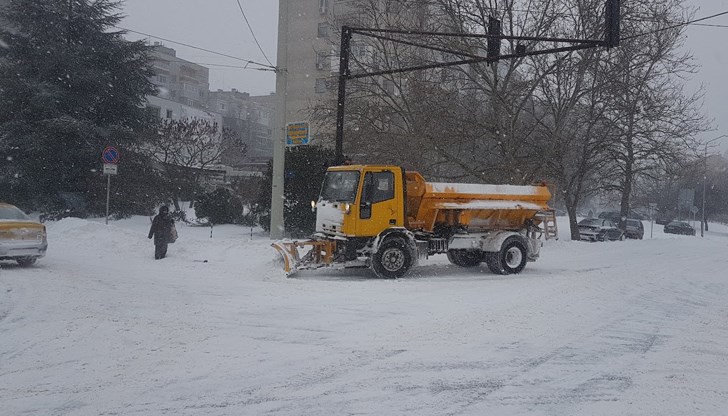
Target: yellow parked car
x=21 y=238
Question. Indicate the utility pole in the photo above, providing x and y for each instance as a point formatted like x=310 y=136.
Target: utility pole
x=703 y=224
x=344 y=73
x=277 y=225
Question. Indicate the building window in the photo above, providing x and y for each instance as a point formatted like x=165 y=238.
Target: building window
x=154 y=110
x=169 y=113
x=320 y=85
x=162 y=79
x=322 y=60
x=323 y=6
x=222 y=106
x=323 y=30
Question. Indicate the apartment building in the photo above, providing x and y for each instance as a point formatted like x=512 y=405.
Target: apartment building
x=251 y=119
x=179 y=80
x=183 y=92
x=313 y=41
x=312 y=48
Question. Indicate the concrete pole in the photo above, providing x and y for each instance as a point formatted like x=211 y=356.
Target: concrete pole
x=703 y=224
x=705 y=176
x=277 y=226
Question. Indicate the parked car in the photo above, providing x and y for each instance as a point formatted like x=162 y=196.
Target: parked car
x=679 y=227
x=634 y=229
x=21 y=238
x=599 y=229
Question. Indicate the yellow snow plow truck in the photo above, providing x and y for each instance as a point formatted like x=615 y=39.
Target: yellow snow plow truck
x=386 y=219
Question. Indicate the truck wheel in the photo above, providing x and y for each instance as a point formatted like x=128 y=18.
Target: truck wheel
x=465 y=258
x=392 y=260
x=491 y=262
x=511 y=259
x=26 y=261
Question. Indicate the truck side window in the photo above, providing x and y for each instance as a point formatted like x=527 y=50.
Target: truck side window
x=383 y=186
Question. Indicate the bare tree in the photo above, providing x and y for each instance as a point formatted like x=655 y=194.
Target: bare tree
x=655 y=120
x=580 y=119
x=187 y=147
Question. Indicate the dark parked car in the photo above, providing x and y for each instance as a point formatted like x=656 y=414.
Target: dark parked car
x=634 y=229
x=679 y=227
x=598 y=229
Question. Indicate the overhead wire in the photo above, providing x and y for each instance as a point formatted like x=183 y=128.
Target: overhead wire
x=247 y=61
x=253 y=33
x=690 y=22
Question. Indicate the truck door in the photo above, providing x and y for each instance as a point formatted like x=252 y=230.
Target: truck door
x=380 y=205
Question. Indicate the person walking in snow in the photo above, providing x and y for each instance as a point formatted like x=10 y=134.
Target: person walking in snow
x=161 y=230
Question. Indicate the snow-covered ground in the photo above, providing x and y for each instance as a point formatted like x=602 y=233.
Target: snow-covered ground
x=100 y=328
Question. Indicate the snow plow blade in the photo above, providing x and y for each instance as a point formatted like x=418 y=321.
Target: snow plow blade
x=305 y=254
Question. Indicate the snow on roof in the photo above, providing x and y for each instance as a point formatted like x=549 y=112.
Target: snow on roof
x=480 y=204
x=476 y=188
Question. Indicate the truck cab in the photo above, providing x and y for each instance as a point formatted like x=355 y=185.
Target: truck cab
x=361 y=200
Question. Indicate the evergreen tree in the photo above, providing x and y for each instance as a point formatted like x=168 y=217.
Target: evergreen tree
x=219 y=207
x=305 y=170
x=69 y=86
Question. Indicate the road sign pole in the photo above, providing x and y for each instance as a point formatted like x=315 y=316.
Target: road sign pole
x=108 y=195
x=110 y=157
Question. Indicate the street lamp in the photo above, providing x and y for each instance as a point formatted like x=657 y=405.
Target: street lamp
x=703 y=224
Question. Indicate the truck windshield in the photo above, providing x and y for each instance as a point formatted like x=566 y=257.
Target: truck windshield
x=340 y=186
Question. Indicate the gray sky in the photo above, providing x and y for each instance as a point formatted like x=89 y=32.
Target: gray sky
x=218 y=25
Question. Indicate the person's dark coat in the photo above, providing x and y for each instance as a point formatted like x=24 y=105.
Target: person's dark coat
x=161 y=228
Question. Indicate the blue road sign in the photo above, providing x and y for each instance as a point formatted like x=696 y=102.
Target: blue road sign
x=110 y=155
x=297 y=134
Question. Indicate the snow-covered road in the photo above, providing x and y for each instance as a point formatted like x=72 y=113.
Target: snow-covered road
x=100 y=328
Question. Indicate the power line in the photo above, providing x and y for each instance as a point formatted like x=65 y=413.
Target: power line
x=233 y=66
x=707 y=25
x=690 y=22
x=253 y=33
x=247 y=61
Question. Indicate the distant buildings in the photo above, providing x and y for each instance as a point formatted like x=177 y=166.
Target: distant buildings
x=184 y=92
x=180 y=80
x=252 y=120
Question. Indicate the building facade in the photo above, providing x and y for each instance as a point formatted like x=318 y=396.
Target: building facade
x=183 y=92
x=312 y=49
x=179 y=80
x=251 y=119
